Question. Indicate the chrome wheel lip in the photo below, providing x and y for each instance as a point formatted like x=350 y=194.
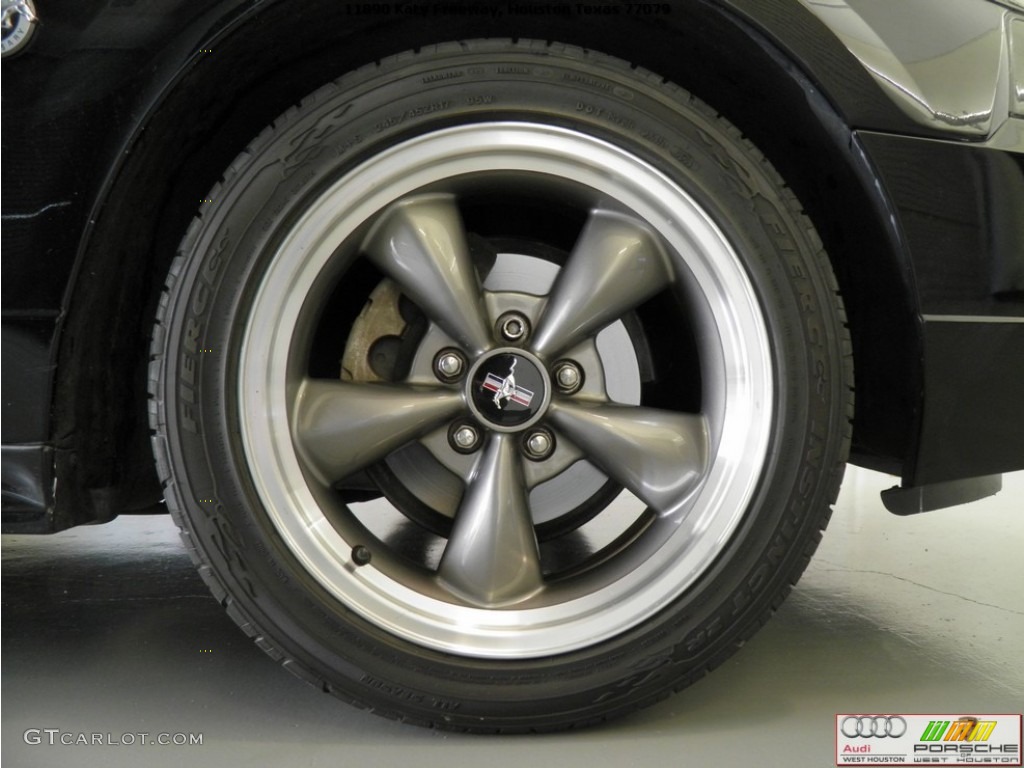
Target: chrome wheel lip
x=739 y=404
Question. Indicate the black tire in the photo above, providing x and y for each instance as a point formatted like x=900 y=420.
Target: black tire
x=229 y=469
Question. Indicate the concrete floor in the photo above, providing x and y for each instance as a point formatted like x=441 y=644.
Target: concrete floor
x=108 y=629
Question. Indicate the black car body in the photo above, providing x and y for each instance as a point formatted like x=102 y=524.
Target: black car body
x=120 y=115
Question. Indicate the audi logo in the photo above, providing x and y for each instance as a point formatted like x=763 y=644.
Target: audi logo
x=873 y=727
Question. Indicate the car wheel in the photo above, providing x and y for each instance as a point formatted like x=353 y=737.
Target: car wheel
x=501 y=386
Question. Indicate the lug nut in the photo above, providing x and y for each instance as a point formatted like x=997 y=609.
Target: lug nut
x=568 y=377
x=448 y=365
x=539 y=444
x=464 y=438
x=513 y=326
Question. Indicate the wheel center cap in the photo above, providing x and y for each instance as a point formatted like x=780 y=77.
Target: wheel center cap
x=508 y=389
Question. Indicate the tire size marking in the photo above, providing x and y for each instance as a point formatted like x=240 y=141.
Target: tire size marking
x=426 y=109
x=437 y=106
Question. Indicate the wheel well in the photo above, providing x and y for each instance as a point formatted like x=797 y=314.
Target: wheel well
x=267 y=63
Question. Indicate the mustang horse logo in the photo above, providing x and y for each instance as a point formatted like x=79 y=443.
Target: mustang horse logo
x=506 y=389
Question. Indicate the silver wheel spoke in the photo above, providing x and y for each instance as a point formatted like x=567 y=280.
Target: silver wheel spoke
x=616 y=264
x=658 y=455
x=421 y=245
x=341 y=428
x=485 y=592
x=492 y=557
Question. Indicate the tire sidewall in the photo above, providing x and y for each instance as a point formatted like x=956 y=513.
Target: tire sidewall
x=372 y=109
